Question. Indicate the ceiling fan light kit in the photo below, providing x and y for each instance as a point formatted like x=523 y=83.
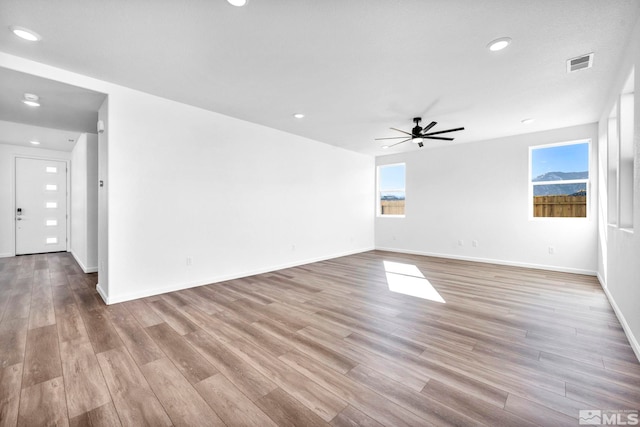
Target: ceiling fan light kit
x=418 y=134
x=31 y=100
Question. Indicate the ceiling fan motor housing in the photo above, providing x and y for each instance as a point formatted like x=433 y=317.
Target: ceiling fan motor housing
x=417 y=130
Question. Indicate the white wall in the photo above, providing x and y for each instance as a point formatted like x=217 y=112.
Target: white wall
x=7 y=189
x=79 y=201
x=235 y=197
x=103 y=202
x=479 y=191
x=92 y=202
x=619 y=249
x=84 y=202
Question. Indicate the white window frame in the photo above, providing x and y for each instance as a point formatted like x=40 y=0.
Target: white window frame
x=379 y=191
x=586 y=181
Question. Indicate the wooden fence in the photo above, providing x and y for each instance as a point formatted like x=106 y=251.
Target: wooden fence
x=392 y=207
x=560 y=206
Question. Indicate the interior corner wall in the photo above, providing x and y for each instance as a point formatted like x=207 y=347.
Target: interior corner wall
x=619 y=249
x=7 y=189
x=84 y=203
x=479 y=191
x=196 y=197
x=79 y=201
x=103 y=203
x=92 y=202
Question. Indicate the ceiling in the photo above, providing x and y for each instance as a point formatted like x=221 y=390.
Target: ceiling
x=354 y=68
x=52 y=139
x=65 y=111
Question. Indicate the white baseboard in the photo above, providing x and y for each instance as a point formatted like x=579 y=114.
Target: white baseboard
x=6 y=255
x=82 y=266
x=492 y=261
x=102 y=294
x=635 y=346
x=178 y=287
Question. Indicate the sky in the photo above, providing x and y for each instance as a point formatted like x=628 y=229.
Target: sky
x=392 y=177
x=561 y=158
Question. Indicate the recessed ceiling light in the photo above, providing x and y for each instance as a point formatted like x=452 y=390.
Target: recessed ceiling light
x=35 y=142
x=298 y=115
x=25 y=34
x=31 y=100
x=238 y=3
x=499 y=44
x=527 y=121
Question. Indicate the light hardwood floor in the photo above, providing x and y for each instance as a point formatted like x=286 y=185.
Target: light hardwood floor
x=325 y=343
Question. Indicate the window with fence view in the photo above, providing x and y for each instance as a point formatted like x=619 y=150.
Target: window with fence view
x=391 y=190
x=560 y=180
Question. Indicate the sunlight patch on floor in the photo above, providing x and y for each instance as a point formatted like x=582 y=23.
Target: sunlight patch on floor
x=407 y=279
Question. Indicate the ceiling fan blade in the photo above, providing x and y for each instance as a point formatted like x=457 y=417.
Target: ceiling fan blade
x=437 y=137
x=429 y=126
x=443 y=131
x=393 y=145
x=401 y=131
x=393 y=137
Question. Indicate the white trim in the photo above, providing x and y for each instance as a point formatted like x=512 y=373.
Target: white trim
x=635 y=346
x=180 y=286
x=379 y=213
x=492 y=261
x=81 y=264
x=102 y=294
x=586 y=181
x=6 y=255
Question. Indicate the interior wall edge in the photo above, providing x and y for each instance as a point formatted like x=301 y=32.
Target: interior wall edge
x=491 y=261
x=635 y=345
x=114 y=299
x=86 y=269
x=102 y=294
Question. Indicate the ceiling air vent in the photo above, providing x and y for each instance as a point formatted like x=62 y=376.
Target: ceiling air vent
x=580 y=63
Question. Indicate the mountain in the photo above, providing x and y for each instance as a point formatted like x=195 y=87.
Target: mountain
x=560 y=189
x=561 y=176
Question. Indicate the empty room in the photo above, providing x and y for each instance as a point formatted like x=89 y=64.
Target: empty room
x=319 y=213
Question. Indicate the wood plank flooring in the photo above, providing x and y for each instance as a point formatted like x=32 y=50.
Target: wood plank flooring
x=322 y=344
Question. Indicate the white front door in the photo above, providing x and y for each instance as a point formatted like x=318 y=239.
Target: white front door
x=41 y=206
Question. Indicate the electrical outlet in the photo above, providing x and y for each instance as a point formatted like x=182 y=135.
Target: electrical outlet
x=474 y=243
x=189 y=261
x=460 y=242
x=552 y=250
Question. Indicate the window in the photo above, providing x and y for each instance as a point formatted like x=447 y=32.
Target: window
x=391 y=190
x=559 y=180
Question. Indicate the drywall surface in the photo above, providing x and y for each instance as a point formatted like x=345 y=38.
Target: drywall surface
x=92 y=202
x=103 y=202
x=479 y=192
x=79 y=201
x=196 y=197
x=84 y=202
x=8 y=154
x=619 y=248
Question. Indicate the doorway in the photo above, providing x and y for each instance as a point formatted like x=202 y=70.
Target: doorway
x=41 y=205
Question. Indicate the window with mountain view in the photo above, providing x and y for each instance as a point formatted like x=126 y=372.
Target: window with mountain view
x=559 y=180
x=391 y=189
